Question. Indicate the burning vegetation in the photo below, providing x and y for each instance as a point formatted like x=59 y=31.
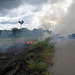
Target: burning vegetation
x=24 y=54
x=34 y=60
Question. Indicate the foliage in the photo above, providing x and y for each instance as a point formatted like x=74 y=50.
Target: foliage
x=0 y=32
x=41 y=45
x=32 y=62
x=51 y=45
x=31 y=56
x=21 y=22
x=15 y=30
x=36 y=67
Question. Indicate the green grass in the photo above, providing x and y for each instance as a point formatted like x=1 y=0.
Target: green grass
x=42 y=50
x=41 y=45
x=34 y=61
x=19 y=38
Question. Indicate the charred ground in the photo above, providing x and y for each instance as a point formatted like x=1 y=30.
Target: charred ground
x=33 y=61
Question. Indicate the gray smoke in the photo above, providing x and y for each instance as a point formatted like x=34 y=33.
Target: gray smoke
x=58 y=16
x=67 y=26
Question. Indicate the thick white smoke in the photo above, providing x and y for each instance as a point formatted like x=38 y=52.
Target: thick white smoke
x=52 y=14
x=67 y=26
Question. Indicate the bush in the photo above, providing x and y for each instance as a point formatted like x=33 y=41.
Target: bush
x=31 y=64
x=41 y=45
x=34 y=61
x=41 y=66
x=30 y=55
x=36 y=66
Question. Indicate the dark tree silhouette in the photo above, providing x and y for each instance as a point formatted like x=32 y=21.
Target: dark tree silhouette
x=21 y=23
x=0 y=32
x=15 y=30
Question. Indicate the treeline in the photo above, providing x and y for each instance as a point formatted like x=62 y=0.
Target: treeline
x=72 y=36
x=15 y=32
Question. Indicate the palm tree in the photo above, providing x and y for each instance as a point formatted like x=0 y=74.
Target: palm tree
x=21 y=22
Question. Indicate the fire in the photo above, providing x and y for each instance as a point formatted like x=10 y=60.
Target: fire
x=28 y=42
x=31 y=42
x=34 y=42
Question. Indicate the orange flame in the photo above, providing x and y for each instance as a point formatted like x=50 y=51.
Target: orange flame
x=28 y=42
x=31 y=42
x=34 y=42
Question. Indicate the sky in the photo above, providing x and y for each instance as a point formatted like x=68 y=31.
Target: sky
x=55 y=15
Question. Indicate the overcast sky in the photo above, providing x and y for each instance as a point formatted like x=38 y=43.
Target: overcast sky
x=48 y=14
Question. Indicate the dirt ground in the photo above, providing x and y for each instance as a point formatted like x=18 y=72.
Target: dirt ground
x=64 y=58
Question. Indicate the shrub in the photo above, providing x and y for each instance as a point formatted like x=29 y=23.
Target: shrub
x=41 y=66
x=30 y=55
x=31 y=64
x=40 y=45
x=36 y=66
x=51 y=45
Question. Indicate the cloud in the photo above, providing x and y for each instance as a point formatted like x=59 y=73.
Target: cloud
x=13 y=11
x=19 y=11
x=48 y=14
x=24 y=12
x=7 y=5
x=36 y=2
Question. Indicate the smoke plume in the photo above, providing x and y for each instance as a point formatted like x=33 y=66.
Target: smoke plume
x=67 y=25
x=56 y=16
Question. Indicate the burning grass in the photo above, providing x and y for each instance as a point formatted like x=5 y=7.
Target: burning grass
x=34 y=61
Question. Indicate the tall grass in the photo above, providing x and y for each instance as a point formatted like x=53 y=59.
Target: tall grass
x=34 y=61
x=40 y=58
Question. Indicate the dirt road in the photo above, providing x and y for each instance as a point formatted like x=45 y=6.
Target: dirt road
x=64 y=58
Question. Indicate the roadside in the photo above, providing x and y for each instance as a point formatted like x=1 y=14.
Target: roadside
x=64 y=58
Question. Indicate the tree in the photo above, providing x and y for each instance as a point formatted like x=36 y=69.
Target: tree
x=0 y=32
x=15 y=30
x=21 y=22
